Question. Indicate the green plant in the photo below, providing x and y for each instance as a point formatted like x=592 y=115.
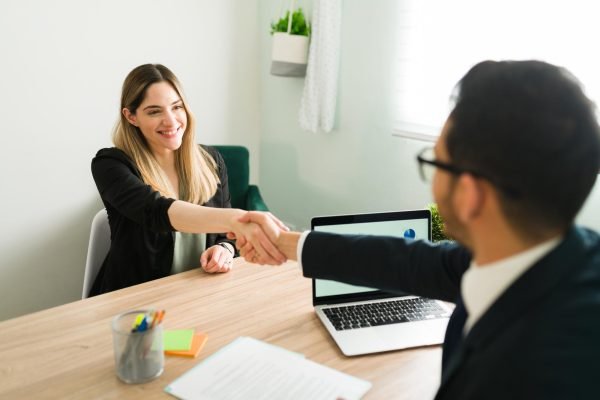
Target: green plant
x=437 y=225
x=299 y=24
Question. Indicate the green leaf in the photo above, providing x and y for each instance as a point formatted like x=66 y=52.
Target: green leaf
x=438 y=232
x=299 y=24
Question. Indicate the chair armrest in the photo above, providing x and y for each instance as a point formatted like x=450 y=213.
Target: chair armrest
x=254 y=200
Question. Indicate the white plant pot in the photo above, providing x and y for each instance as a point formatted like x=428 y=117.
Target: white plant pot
x=289 y=54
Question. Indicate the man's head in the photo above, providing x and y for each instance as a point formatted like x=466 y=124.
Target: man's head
x=526 y=129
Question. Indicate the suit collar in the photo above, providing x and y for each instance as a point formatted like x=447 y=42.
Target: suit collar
x=535 y=283
x=482 y=285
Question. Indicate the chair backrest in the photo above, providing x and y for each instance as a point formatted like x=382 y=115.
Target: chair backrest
x=97 y=249
x=238 y=171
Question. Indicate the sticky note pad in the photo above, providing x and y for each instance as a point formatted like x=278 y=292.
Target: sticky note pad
x=178 y=339
x=197 y=344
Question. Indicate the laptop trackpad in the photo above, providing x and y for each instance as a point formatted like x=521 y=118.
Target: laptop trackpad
x=391 y=337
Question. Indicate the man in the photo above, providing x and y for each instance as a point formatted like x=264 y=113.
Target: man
x=515 y=161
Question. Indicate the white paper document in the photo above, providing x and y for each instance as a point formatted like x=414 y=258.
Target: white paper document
x=250 y=369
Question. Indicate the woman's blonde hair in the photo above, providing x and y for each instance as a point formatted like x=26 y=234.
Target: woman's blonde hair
x=196 y=169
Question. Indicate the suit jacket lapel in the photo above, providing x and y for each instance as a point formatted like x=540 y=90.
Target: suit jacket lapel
x=454 y=332
x=453 y=341
x=525 y=292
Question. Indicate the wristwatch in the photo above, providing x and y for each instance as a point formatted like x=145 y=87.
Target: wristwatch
x=227 y=246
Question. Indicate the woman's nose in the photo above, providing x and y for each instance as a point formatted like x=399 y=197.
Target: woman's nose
x=169 y=119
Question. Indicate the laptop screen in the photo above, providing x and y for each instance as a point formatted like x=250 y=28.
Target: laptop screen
x=406 y=224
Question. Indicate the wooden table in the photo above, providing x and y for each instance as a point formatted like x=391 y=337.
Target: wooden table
x=66 y=351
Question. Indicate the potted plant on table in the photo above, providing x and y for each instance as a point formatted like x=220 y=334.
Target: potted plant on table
x=290 y=44
x=438 y=233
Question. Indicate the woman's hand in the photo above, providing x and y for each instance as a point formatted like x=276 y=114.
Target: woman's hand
x=216 y=259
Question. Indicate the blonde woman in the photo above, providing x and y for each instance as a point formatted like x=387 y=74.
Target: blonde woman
x=167 y=197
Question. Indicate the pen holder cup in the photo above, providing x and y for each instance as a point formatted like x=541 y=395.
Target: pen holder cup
x=139 y=355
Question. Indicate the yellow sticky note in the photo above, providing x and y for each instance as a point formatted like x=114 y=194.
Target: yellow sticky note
x=178 y=339
x=197 y=344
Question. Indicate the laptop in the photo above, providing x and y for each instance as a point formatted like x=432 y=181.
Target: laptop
x=365 y=320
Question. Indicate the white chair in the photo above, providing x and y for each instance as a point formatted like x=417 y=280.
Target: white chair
x=97 y=250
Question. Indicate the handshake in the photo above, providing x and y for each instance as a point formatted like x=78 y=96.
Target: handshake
x=262 y=238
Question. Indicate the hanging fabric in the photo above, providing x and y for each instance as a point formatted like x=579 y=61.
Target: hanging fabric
x=317 y=108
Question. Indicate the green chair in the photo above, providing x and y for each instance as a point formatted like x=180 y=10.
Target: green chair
x=243 y=195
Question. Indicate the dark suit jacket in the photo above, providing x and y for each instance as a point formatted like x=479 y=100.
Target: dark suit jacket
x=539 y=340
x=142 y=238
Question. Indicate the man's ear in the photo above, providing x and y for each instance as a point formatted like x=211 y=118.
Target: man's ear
x=469 y=197
x=131 y=118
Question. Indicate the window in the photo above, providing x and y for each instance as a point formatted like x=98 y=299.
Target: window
x=439 y=40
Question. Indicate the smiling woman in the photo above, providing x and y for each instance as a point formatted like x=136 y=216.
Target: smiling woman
x=162 y=112
x=167 y=198
x=155 y=117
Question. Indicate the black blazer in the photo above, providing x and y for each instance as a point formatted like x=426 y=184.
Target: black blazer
x=142 y=238
x=539 y=340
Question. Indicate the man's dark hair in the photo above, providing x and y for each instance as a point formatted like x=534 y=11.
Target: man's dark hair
x=530 y=130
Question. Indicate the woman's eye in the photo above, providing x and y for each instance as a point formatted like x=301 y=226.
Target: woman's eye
x=178 y=107
x=153 y=112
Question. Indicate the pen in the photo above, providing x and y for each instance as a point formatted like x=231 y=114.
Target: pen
x=138 y=321
x=143 y=325
x=143 y=322
x=161 y=315
x=157 y=318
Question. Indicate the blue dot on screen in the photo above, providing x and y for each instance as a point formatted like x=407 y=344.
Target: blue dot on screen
x=410 y=234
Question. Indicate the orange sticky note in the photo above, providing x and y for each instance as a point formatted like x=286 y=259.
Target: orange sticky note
x=198 y=342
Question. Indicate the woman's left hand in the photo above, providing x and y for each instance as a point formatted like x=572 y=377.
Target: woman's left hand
x=216 y=259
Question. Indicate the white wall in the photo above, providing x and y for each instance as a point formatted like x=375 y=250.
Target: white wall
x=63 y=62
x=359 y=167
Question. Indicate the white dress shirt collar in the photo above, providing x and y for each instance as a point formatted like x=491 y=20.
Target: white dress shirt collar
x=482 y=285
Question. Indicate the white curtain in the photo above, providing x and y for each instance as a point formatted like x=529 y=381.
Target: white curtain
x=317 y=108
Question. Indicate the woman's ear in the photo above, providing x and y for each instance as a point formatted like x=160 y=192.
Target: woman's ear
x=129 y=116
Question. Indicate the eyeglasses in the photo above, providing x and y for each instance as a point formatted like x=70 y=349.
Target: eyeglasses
x=428 y=164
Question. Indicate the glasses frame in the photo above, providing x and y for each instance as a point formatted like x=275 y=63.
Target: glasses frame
x=438 y=164
x=453 y=169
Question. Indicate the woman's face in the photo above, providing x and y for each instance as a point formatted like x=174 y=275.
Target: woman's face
x=161 y=118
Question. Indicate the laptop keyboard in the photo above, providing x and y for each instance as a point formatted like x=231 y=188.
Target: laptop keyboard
x=383 y=313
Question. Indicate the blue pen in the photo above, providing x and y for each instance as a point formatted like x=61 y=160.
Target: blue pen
x=143 y=325
x=137 y=322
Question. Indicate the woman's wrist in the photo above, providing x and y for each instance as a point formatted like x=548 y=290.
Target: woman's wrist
x=227 y=246
x=235 y=215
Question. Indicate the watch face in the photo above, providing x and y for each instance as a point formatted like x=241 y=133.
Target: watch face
x=227 y=247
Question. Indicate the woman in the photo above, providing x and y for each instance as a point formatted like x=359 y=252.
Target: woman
x=167 y=198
